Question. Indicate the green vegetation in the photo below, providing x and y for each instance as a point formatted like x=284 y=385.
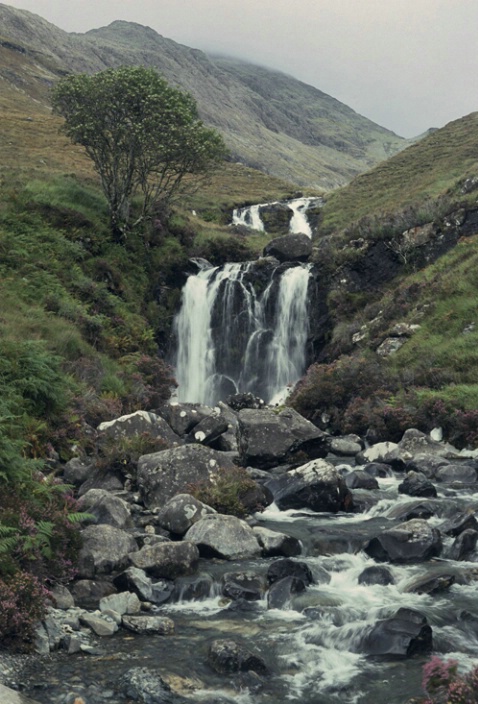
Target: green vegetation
x=229 y=493
x=142 y=135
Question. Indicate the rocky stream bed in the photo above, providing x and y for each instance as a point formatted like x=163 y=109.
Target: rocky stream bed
x=360 y=563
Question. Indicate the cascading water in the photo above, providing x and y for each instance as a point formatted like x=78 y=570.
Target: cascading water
x=237 y=333
x=250 y=216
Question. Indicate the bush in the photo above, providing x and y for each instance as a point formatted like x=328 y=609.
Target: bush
x=226 y=492
x=23 y=601
x=442 y=683
x=122 y=454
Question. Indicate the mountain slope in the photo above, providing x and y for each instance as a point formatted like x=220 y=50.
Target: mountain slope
x=269 y=120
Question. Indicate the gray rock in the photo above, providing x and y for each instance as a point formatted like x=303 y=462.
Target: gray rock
x=147 y=687
x=160 y=625
x=464 y=545
x=181 y=512
x=413 y=541
x=10 y=696
x=376 y=574
x=105 y=549
x=182 y=417
x=403 y=635
x=417 y=484
x=227 y=657
x=77 y=471
x=290 y=568
x=427 y=464
x=316 y=485
x=461 y=473
x=458 y=524
x=162 y=475
x=243 y=585
x=281 y=592
x=135 y=580
x=346 y=446
x=414 y=442
x=137 y=423
x=384 y=453
x=359 y=479
x=224 y=536
x=267 y=439
x=208 y=430
x=274 y=544
x=123 y=603
x=88 y=593
x=289 y=248
x=167 y=560
x=106 y=508
x=62 y=597
x=100 y=624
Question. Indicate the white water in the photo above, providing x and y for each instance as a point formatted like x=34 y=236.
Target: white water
x=250 y=215
x=232 y=338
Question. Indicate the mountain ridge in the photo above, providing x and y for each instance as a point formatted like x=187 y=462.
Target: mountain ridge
x=270 y=121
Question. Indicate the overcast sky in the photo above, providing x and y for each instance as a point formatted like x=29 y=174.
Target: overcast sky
x=406 y=64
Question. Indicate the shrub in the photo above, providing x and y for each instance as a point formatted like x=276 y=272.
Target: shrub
x=226 y=492
x=442 y=683
x=122 y=454
x=22 y=604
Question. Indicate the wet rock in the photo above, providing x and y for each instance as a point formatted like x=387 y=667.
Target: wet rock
x=134 y=580
x=426 y=464
x=378 y=469
x=403 y=635
x=193 y=588
x=376 y=574
x=289 y=248
x=460 y=523
x=274 y=544
x=181 y=512
x=464 y=545
x=430 y=584
x=417 y=484
x=227 y=657
x=145 y=686
x=247 y=400
x=384 y=453
x=359 y=479
x=162 y=475
x=267 y=439
x=462 y=473
x=145 y=625
x=414 y=442
x=316 y=485
x=243 y=585
x=282 y=591
x=412 y=541
x=88 y=593
x=62 y=597
x=227 y=537
x=137 y=423
x=410 y=511
x=106 y=508
x=167 y=560
x=105 y=549
x=10 y=696
x=289 y=568
x=208 y=430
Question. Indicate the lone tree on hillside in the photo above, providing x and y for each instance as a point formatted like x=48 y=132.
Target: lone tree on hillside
x=143 y=136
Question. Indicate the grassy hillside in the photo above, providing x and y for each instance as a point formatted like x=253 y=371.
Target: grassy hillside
x=269 y=121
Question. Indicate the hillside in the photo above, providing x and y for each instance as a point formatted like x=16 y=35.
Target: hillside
x=270 y=121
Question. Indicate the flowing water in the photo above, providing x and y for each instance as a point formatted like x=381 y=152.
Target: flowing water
x=239 y=331
x=313 y=645
x=250 y=215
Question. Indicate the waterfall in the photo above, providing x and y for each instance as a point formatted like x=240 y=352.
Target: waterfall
x=299 y=223
x=250 y=215
x=242 y=329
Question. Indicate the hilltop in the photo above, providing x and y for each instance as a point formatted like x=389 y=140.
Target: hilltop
x=270 y=121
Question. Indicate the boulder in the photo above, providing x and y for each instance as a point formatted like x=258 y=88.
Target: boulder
x=123 y=603
x=77 y=471
x=99 y=478
x=405 y=634
x=181 y=512
x=226 y=537
x=415 y=509
x=246 y=400
x=462 y=473
x=134 y=580
x=100 y=624
x=88 y=593
x=105 y=549
x=167 y=560
x=208 y=430
x=376 y=574
x=243 y=585
x=378 y=469
x=227 y=657
x=267 y=439
x=62 y=597
x=464 y=545
x=458 y=524
x=417 y=484
x=384 y=453
x=347 y=446
x=182 y=417
x=289 y=568
x=359 y=479
x=106 y=508
x=426 y=464
x=289 y=248
x=413 y=541
x=274 y=544
x=162 y=475
x=414 y=442
x=140 y=684
x=138 y=423
x=282 y=591
x=159 y=625
x=316 y=485
x=430 y=583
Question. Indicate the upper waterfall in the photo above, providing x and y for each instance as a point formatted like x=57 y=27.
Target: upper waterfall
x=242 y=327
x=250 y=215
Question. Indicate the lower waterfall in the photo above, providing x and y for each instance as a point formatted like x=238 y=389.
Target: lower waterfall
x=238 y=332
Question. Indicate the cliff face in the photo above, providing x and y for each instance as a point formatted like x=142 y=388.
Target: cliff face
x=269 y=120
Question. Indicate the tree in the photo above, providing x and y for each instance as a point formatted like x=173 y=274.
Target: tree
x=143 y=135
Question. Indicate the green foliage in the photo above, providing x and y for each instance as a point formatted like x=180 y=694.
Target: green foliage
x=122 y=454
x=142 y=135
x=226 y=492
